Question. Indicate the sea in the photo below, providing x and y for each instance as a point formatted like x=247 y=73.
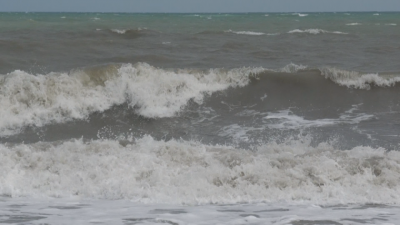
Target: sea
x=251 y=118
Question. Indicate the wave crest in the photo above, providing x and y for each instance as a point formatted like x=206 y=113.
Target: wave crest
x=38 y=100
x=358 y=80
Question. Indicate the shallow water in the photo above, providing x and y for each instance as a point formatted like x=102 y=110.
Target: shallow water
x=33 y=211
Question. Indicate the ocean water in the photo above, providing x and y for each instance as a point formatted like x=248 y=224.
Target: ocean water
x=278 y=118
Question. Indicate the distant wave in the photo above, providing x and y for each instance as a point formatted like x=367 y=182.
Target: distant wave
x=299 y=14
x=390 y=24
x=353 y=24
x=358 y=80
x=315 y=31
x=118 y=31
x=123 y=31
x=246 y=32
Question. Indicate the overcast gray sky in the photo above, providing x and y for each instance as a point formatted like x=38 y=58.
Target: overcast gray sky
x=198 y=5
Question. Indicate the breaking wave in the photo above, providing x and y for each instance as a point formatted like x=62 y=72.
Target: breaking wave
x=38 y=100
x=358 y=80
x=29 y=99
x=187 y=172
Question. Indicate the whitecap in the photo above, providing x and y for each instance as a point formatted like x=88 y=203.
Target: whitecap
x=353 y=24
x=118 y=31
x=299 y=14
x=315 y=31
x=246 y=32
x=358 y=80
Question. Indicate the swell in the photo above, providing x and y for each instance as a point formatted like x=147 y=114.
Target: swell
x=184 y=172
x=37 y=100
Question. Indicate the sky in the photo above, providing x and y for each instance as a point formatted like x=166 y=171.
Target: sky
x=189 y=6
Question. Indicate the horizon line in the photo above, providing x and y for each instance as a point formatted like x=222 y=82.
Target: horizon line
x=154 y=12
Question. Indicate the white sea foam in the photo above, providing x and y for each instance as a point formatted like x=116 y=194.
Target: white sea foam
x=315 y=31
x=291 y=68
x=118 y=31
x=37 y=100
x=286 y=119
x=376 y=14
x=123 y=31
x=184 y=172
x=390 y=24
x=358 y=80
x=353 y=24
x=299 y=14
x=246 y=32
